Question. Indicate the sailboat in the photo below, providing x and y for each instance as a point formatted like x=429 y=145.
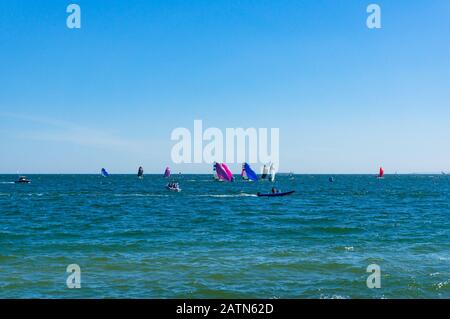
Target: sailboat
x=381 y=173
x=104 y=173
x=167 y=172
x=140 y=172
x=222 y=172
x=272 y=173
x=264 y=172
x=248 y=173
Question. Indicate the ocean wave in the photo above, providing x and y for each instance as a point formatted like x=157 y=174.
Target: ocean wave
x=225 y=195
x=138 y=195
x=6 y=182
x=442 y=284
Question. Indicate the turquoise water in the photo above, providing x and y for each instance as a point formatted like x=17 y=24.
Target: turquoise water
x=134 y=239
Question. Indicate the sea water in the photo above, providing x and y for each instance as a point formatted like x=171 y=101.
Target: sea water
x=132 y=238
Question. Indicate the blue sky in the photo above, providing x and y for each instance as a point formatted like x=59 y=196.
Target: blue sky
x=346 y=99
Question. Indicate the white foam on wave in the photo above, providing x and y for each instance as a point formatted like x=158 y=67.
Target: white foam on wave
x=6 y=182
x=442 y=284
x=140 y=195
x=226 y=195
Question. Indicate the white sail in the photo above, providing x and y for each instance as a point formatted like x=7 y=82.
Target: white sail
x=272 y=173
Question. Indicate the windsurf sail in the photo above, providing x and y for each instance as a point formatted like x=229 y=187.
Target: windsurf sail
x=251 y=175
x=381 y=174
x=167 y=172
x=264 y=172
x=221 y=172
x=140 y=172
x=272 y=173
x=227 y=170
x=104 y=173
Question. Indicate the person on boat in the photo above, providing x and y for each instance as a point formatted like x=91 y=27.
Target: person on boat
x=274 y=190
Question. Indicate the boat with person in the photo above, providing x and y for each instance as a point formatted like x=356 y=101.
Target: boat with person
x=140 y=172
x=276 y=194
x=381 y=173
x=167 y=172
x=104 y=172
x=22 y=180
x=248 y=173
x=174 y=187
x=222 y=172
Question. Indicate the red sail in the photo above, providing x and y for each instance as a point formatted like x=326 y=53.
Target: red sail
x=381 y=172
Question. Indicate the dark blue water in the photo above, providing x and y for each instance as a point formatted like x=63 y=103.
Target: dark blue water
x=132 y=238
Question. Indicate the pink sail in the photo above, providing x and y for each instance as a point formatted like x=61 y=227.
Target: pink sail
x=221 y=173
x=167 y=172
x=227 y=170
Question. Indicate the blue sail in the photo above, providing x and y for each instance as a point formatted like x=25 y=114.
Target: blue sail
x=104 y=172
x=250 y=173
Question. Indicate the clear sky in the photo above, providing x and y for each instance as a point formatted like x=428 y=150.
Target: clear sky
x=346 y=99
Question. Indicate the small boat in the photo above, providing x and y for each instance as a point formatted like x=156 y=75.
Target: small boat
x=331 y=179
x=248 y=174
x=222 y=172
x=167 y=172
x=381 y=173
x=140 y=172
x=104 y=172
x=173 y=187
x=275 y=194
x=22 y=180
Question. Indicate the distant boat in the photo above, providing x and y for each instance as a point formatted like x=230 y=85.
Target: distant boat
x=272 y=173
x=275 y=194
x=221 y=173
x=264 y=172
x=22 y=180
x=104 y=173
x=140 y=172
x=443 y=173
x=167 y=172
x=248 y=173
x=331 y=179
x=381 y=173
x=173 y=187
